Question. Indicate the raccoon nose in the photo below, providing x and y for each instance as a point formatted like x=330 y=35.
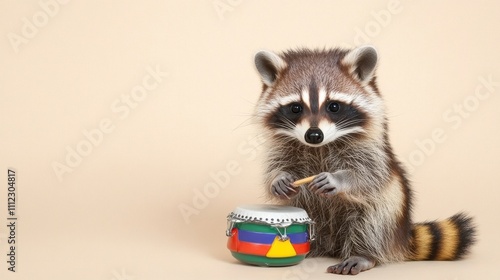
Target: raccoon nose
x=314 y=135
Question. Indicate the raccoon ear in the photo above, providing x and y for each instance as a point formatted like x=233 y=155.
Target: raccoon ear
x=361 y=63
x=269 y=66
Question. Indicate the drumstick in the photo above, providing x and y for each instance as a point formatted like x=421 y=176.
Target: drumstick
x=303 y=181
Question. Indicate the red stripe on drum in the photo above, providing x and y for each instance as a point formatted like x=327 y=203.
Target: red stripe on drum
x=232 y=241
x=302 y=248
x=253 y=248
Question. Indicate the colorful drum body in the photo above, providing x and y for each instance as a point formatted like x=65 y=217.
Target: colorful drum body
x=269 y=235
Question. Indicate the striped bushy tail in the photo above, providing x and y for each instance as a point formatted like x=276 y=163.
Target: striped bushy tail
x=445 y=240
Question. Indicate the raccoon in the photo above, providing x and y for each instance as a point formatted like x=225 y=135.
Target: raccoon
x=321 y=113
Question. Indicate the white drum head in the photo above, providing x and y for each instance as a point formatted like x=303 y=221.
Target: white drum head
x=270 y=214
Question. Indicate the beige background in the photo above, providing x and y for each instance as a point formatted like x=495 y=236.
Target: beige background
x=68 y=68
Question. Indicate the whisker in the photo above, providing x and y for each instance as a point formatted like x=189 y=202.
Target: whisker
x=247 y=122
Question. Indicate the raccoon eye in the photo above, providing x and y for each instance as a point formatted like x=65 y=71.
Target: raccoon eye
x=333 y=107
x=296 y=108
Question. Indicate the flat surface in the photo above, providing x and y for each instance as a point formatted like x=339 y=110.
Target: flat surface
x=129 y=126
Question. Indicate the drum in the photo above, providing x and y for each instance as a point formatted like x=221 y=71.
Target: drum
x=269 y=235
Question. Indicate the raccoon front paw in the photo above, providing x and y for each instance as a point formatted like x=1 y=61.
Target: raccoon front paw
x=326 y=184
x=282 y=187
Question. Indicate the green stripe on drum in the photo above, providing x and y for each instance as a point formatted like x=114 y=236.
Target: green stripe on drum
x=265 y=261
x=297 y=228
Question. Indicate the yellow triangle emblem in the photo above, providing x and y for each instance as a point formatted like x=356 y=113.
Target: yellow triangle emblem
x=281 y=249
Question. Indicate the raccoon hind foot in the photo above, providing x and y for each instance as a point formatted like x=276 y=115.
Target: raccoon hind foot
x=353 y=265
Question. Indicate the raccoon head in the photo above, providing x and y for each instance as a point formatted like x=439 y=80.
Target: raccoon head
x=318 y=97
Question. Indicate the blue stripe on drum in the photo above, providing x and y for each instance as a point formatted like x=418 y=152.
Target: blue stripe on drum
x=268 y=238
